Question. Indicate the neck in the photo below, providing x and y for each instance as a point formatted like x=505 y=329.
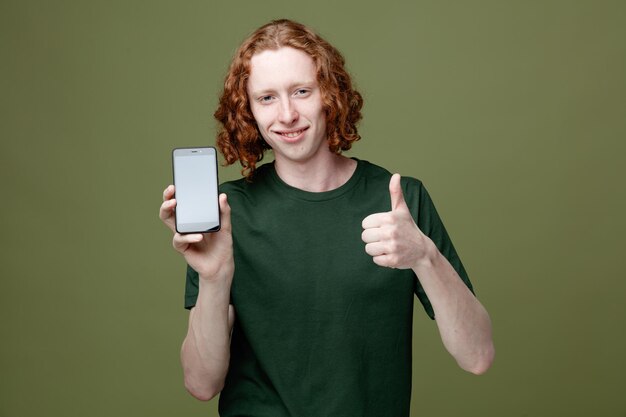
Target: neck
x=317 y=176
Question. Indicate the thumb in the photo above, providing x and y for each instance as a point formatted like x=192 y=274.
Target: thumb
x=225 y=213
x=395 y=192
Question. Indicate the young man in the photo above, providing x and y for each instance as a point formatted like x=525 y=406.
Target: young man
x=301 y=305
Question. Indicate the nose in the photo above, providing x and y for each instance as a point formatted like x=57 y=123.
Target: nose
x=287 y=112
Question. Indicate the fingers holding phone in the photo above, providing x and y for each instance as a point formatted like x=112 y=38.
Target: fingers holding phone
x=209 y=253
x=166 y=211
x=193 y=210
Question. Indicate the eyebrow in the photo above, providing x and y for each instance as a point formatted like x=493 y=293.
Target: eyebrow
x=291 y=86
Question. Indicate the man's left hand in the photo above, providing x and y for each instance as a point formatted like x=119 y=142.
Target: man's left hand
x=392 y=238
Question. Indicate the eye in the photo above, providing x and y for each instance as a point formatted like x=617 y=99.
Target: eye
x=265 y=99
x=303 y=92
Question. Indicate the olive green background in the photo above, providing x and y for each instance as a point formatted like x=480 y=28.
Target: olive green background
x=511 y=112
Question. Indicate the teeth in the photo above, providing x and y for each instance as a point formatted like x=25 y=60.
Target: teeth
x=292 y=134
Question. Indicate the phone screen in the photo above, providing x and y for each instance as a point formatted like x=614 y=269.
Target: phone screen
x=195 y=179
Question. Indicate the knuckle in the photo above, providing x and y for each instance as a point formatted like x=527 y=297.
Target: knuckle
x=382 y=261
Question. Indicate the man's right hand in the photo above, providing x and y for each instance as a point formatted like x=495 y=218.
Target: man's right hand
x=209 y=254
x=205 y=353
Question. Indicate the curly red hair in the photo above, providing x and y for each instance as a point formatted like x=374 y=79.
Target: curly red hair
x=239 y=138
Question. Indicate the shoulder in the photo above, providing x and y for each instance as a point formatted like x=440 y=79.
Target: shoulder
x=233 y=186
x=373 y=172
x=242 y=185
x=258 y=190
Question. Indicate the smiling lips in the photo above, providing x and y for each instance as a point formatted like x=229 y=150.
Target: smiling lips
x=293 y=133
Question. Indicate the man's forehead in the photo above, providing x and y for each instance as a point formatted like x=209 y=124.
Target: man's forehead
x=281 y=67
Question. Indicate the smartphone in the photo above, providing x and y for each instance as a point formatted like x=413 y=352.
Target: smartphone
x=195 y=179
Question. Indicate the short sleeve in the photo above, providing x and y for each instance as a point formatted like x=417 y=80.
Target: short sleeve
x=430 y=224
x=191 y=288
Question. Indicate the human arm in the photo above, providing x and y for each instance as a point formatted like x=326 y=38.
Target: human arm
x=463 y=322
x=394 y=240
x=205 y=352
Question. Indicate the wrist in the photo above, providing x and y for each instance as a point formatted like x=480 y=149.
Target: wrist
x=428 y=259
x=222 y=274
x=216 y=284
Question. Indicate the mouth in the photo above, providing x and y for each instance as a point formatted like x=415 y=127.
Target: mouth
x=292 y=134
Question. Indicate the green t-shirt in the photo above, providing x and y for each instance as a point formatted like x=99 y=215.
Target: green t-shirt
x=321 y=330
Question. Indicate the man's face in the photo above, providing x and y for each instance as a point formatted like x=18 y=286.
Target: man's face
x=286 y=102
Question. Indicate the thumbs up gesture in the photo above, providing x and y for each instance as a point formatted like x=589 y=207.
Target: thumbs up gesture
x=392 y=238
